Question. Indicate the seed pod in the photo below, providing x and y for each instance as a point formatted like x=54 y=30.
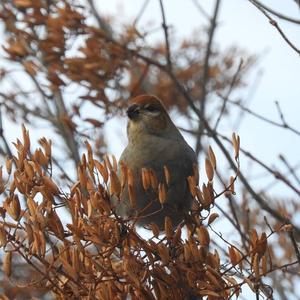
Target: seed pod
x=49 y=183
x=168 y=227
x=167 y=175
x=153 y=180
x=203 y=236
x=231 y=185
x=209 y=169
x=177 y=236
x=14 y=208
x=102 y=170
x=264 y=264
x=212 y=157
x=3 y=238
x=130 y=177
x=163 y=252
x=115 y=163
x=255 y=266
x=123 y=174
x=82 y=176
x=7 y=263
x=162 y=194
x=192 y=185
x=115 y=185
x=212 y=217
x=155 y=229
x=108 y=163
x=32 y=206
x=232 y=255
x=236 y=145
x=146 y=181
x=132 y=196
x=196 y=174
x=8 y=165
x=207 y=196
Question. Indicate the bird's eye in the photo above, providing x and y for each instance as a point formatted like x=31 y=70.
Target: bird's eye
x=151 y=108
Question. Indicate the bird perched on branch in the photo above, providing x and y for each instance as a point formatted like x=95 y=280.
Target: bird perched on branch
x=158 y=161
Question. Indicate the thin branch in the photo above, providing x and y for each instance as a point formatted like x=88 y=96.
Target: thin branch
x=165 y=28
x=275 y=24
x=275 y=173
x=276 y=13
x=101 y=23
x=205 y=75
x=283 y=123
x=290 y=168
x=232 y=84
x=201 y=9
x=141 y=12
x=8 y=151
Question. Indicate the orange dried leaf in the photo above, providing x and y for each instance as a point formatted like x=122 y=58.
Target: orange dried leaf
x=51 y=186
x=203 y=236
x=212 y=217
x=264 y=264
x=236 y=145
x=232 y=255
x=123 y=174
x=167 y=175
x=32 y=206
x=7 y=263
x=115 y=185
x=255 y=265
x=102 y=170
x=146 y=179
x=108 y=163
x=168 y=227
x=162 y=193
x=212 y=157
x=155 y=229
x=115 y=163
x=9 y=165
x=3 y=237
x=153 y=180
x=196 y=174
x=209 y=169
x=192 y=185
x=132 y=196
x=14 y=208
x=231 y=185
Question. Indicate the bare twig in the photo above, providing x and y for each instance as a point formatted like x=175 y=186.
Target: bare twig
x=275 y=24
x=290 y=168
x=201 y=9
x=101 y=23
x=205 y=75
x=283 y=123
x=8 y=151
x=142 y=10
x=233 y=81
x=166 y=32
x=276 y=13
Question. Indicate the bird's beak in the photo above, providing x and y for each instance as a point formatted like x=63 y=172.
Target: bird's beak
x=133 y=111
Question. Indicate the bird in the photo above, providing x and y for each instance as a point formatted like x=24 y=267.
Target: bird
x=155 y=144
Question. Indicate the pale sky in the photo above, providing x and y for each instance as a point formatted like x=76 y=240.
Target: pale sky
x=243 y=25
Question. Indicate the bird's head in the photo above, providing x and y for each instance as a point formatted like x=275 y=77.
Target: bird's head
x=148 y=116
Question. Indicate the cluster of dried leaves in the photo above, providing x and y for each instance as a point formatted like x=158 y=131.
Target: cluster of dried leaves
x=98 y=255
x=67 y=66
x=58 y=48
